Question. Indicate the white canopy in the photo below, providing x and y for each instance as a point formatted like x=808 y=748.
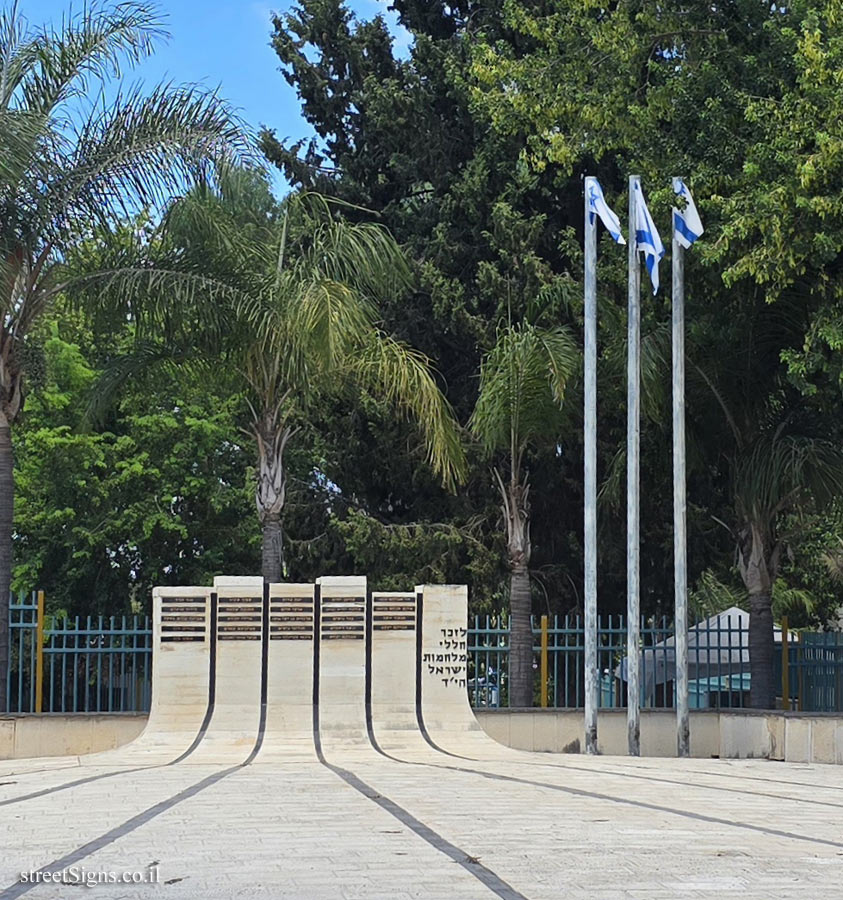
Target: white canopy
x=717 y=646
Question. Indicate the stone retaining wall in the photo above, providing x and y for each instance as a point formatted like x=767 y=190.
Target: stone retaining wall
x=739 y=734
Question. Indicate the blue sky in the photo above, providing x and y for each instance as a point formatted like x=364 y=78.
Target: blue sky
x=225 y=44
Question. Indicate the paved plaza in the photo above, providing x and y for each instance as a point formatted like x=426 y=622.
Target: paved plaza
x=348 y=764
x=372 y=827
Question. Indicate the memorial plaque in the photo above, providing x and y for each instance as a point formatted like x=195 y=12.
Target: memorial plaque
x=290 y=619
x=239 y=618
x=343 y=618
x=392 y=612
x=183 y=619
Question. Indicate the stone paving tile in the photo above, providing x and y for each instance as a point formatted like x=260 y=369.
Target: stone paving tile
x=300 y=832
x=648 y=838
x=37 y=831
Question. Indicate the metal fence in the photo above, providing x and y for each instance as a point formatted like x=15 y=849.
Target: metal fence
x=100 y=664
x=718 y=663
x=816 y=671
x=91 y=664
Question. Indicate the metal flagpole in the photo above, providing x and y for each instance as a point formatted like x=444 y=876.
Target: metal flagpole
x=680 y=570
x=590 y=440
x=633 y=617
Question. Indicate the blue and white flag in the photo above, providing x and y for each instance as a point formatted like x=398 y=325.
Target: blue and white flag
x=597 y=206
x=686 y=222
x=647 y=238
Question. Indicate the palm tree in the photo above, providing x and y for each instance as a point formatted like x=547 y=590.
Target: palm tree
x=776 y=472
x=523 y=379
x=72 y=163
x=281 y=301
x=769 y=441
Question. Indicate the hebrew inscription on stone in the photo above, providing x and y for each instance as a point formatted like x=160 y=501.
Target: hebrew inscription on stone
x=449 y=660
x=343 y=618
x=183 y=619
x=239 y=618
x=290 y=619
x=394 y=613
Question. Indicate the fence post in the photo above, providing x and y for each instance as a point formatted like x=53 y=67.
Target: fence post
x=39 y=654
x=785 y=667
x=799 y=670
x=544 y=662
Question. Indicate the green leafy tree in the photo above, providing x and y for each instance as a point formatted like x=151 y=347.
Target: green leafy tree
x=523 y=381
x=71 y=163
x=486 y=236
x=160 y=494
x=771 y=445
x=487 y=197
x=730 y=94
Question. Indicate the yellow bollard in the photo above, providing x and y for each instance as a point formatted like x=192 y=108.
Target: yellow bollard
x=544 y=662
x=785 y=667
x=39 y=655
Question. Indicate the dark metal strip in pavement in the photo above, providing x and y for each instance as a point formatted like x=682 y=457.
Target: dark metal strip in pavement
x=264 y=674
x=483 y=874
x=209 y=711
x=643 y=804
x=706 y=787
x=71 y=784
x=628 y=801
x=119 y=831
x=744 y=777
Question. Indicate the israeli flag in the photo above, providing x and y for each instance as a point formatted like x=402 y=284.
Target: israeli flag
x=686 y=222
x=597 y=206
x=647 y=238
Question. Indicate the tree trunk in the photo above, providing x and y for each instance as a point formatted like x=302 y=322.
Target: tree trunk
x=271 y=491
x=762 y=693
x=515 y=498
x=7 y=495
x=272 y=556
x=520 y=639
x=758 y=560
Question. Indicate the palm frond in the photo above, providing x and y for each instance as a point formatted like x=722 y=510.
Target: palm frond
x=363 y=255
x=146 y=360
x=710 y=596
x=43 y=68
x=136 y=154
x=777 y=471
x=798 y=604
x=133 y=278
x=402 y=377
x=327 y=322
x=235 y=219
x=53 y=64
x=523 y=380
